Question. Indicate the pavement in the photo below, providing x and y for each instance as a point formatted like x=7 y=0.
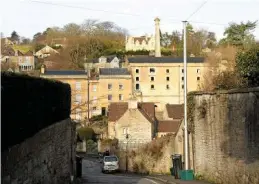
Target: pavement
x=91 y=174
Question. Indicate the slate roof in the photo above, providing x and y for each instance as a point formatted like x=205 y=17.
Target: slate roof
x=114 y=71
x=118 y=109
x=169 y=126
x=65 y=72
x=175 y=111
x=150 y=59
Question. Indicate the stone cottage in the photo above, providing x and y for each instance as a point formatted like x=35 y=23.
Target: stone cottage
x=132 y=123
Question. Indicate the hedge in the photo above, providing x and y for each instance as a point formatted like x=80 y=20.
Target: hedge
x=30 y=104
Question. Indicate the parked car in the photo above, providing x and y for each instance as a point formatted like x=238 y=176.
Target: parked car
x=110 y=164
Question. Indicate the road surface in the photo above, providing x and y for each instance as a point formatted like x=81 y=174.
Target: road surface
x=91 y=174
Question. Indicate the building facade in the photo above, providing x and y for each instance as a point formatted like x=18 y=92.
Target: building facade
x=77 y=80
x=140 y=43
x=161 y=79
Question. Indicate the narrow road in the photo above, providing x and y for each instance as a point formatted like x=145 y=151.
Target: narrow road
x=91 y=174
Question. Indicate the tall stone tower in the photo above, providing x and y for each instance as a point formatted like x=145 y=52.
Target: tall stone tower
x=157 y=37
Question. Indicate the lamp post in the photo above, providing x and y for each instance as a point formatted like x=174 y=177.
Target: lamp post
x=127 y=138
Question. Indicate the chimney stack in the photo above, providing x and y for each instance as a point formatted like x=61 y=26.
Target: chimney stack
x=157 y=37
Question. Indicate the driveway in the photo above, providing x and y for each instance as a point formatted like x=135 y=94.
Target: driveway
x=91 y=174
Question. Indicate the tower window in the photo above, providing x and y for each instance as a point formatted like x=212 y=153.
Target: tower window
x=152 y=86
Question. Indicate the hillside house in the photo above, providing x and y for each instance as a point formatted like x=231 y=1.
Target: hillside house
x=132 y=123
x=45 y=52
x=106 y=62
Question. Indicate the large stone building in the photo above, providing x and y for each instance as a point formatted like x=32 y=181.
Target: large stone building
x=160 y=79
x=135 y=43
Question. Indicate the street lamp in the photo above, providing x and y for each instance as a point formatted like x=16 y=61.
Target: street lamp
x=127 y=138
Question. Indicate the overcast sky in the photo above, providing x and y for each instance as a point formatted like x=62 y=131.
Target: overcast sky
x=28 y=17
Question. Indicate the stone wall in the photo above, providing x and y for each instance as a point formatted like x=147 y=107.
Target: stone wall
x=152 y=158
x=225 y=140
x=47 y=157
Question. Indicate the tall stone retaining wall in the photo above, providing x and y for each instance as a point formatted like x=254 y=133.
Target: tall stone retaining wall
x=225 y=139
x=47 y=157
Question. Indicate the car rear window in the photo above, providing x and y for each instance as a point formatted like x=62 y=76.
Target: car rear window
x=110 y=159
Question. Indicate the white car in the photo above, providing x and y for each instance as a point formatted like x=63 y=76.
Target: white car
x=110 y=164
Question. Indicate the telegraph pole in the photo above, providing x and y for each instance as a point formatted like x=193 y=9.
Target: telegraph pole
x=186 y=151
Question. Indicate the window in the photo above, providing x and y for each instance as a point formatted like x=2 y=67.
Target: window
x=182 y=78
x=137 y=78
x=78 y=85
x=152 y=86
x=182 y=86
x=109 y=86
x=152 y=70
x=94 y=87
x=125 y=131
x=94 y=99
x=137 y=70
x=94 y=108
x=120 y=86
x=167 y=86
x=120 y=97
x=137 y=87
x=78 y=114
x=198 y=78
x=167 y=71
x=152 y=79
x=182 y=70
x=198 y=71
x=78 y=98
x=109 y=97
x=167 y=78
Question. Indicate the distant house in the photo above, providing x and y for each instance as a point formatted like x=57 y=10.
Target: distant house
x=133 y=120
x=45 y=52
x=173 y=112
x=106 y=62
x=140 y=43
x=171 y=121
x=17 y=60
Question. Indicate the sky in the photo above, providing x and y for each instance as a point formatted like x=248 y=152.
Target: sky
x=27 y=17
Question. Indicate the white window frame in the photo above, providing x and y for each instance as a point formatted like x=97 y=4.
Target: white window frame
x=94 y=88
x=120 y=97
x=78 y=98
x=78 y=86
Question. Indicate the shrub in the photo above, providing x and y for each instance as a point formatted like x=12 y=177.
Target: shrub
x=30 y=104
x=86 y=133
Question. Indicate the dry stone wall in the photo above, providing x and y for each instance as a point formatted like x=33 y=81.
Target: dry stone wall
x=47 y=157
x=225 y=139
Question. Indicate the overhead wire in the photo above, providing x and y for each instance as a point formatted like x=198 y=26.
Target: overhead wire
x=127 y=14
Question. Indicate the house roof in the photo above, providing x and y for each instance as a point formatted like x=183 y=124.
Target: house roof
x=65 y=72
x=7 y=51
x=151 y=59
x=114 y=71
x=168 y=126
x=118 y=109
x=29 y=53
x=175 y=111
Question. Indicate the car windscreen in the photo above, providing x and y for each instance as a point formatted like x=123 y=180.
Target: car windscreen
x=110 y=159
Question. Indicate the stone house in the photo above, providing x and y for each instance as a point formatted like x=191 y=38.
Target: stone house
x=133 y=119
x=45 y=52
x=173 y=112
x=106 y=62
x=168 y=127
x=16 y=60
x=140 y=43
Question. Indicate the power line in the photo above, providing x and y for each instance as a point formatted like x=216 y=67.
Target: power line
x=197 y=9
x=127 y=14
